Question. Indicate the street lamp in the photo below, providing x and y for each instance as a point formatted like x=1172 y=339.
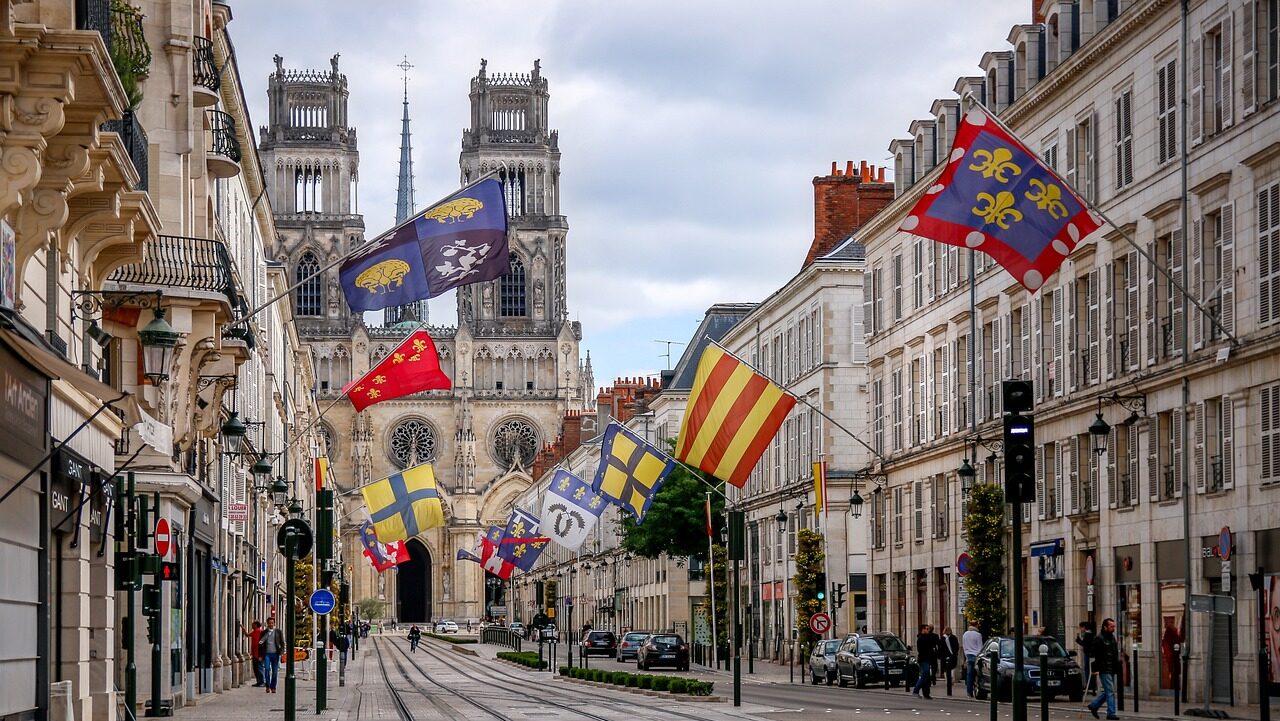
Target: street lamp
x=280 y=492
x=261 y=472
x=233 y=432
x=158 y=340
x=855 y=504
x=966 y=471
x=1099 y=430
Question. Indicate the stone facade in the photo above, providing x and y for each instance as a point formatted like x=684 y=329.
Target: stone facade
x=1107 y=334
x=513 y=357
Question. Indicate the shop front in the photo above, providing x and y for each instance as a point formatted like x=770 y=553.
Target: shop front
x=1217 y=573
x=1267 y=543
x=1053 y=588
x=1128 y=574
x=1171 y=627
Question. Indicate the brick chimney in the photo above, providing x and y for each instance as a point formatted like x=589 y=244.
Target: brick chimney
x=843 y=201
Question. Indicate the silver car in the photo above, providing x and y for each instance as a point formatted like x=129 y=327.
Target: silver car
x=822 y=662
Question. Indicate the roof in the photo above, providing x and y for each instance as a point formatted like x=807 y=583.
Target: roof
x=850 y=249
x=715 y=324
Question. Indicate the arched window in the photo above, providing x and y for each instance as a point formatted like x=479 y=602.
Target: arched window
x=308 y=298
x=512 y=291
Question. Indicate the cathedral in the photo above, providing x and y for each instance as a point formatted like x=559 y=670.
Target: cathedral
x=513 y=355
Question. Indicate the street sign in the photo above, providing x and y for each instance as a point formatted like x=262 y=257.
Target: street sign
x=1226 y=576
x=162 y=537
x=322 y=601
x=298 y=532
x=820 y=623
x=1224 y=543
x=238 y=511
x=1088 y=571
x=497 y=610
x=1215 y=603
x=962 y=564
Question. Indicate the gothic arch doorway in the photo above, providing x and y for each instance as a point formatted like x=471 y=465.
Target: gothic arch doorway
x=413 y=585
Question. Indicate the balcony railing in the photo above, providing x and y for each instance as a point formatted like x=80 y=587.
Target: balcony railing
x=175 y=261
x=95 y=15
x=1126 y=491
x=204 y=70
x=225 y=142
x=135 y=143
x=129 y=49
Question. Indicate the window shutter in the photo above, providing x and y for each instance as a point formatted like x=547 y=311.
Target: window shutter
x=1197 y=91
x=945 y=405
x=1072 y=464
x=1228 y=74
x=1040 y=485
x=1228 y=444
x=1093 y=157
x=1197 y=282
x=954 y=391
x=1153 y=458
x=918 y=508
x=1151 y=319
x=1198 y=464
x=1059 y=345
x=997 y=362
x=1037 y=344
x=1179 y=444
x=1107 y=314
x=1069 y=371
x=976 y=377
x=1270 y=446
x=1134 y=481
x=925 y=411
x=1248 y=57
x=1113 y=478
x=1227 y=269
x=1095 y=463
x=1131 y=311
x=1071 y=157
x=869 y=290
x=1059 y=478
x=1176 y=270
x=935 y=525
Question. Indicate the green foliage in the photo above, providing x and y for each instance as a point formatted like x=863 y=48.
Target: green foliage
x=645 y=681
x=720 y=559
x=450 y=639
x=661 y=683
x=676 y=522
x=620 y=678
x=371 y=608
x=679 y=685
x=525 y=658
x=984 y=535
x=631 y=680
x=810 y=559
x=701 y=688
x=304 y=634
x=564 y=670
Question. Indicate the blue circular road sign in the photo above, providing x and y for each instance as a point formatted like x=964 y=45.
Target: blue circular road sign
x=322 y=601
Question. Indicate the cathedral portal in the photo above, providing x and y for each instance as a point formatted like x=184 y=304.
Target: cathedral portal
x=413 y=585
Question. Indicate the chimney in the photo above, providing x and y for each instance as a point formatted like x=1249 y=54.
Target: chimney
x=848 y=169
x=841 y=204
x=1037 y=17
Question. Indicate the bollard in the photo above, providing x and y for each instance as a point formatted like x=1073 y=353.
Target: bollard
x=1133 y=675
x=791 y=666
x=1044 y=682
x=582 y=653
x=552 y=663
x=994 y=656
x=1177 y=679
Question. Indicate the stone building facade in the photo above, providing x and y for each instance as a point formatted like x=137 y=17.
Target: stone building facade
x=513 y=356
x=1191 y=451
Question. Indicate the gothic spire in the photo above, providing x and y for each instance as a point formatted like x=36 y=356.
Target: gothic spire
x=404 y=186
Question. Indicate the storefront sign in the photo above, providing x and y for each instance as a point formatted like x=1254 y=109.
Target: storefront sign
x=203 y=528
x=8 y=266
x=103 y=490
x=155 y=434
x=1052 y=568
x=1046 y=548
x=69 y=481
x=238 y=511
x=1088 y=598
x=24 y=402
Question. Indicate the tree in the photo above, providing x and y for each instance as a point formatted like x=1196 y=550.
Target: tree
x=371 y=608
x=810 y=560
x=676 y=523
x=720 y=559
x=303 y=630
x=984 y=534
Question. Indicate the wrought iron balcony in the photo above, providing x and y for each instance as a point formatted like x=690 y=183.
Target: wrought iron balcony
x=135 y=143
x=1215 y=470
x=95 y=15
x=129 y=49
x=224 y=147
x=174 y=261
x=205 y=77
x=1126 y=495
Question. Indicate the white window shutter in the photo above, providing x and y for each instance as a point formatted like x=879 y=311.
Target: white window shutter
x=1073 y=469
x=1197 y=90
x=1069 y=371
x=1093 y=329
x=1197 y=458
x=945 y=406
x=1153 y=457
x=1041 y=489
x=1059 y=479
x=1109 y=347
x=1095 y=463
x=955 y=391
x=1197 y=286
x=1071 y=158
x=1151 y=318
x=1037 y=344
x=1227 y=270
x=869 y=299
x=1248 y=57
x=935 y=527
x=1228 y=74
x=1179 y=445
x=918 y=508
x=1113 y=479
x=1176 y=269
x=976 y=373
x=1132 y=312
x=997 y=362
x=1059 y=345
x=1134 y=481
x=1228 y=443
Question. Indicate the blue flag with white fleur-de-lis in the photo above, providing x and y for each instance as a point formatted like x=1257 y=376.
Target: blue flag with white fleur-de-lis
x=997 y=197
x=570 y=509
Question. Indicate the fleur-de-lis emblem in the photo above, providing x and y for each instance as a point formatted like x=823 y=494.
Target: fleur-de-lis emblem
x=995 y=164
x=518 y=529
x=379 y=379
x=998 y=210
x=595 y=502
x=519 y=551
x=357 y=389
x=564 y=484
x=496 y=534
x=578 y=494
x=397 y=358
x=419 y=345
x=375 y=393
x=1047 y=198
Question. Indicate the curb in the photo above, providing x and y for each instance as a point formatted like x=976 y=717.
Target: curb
x=465 y=651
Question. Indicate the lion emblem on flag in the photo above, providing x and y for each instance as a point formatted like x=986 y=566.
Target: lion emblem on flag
x=454 y=211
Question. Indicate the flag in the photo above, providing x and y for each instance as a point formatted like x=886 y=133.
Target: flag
x=732 y=414
x=381 y=556
x=412 y=367
x=460 y=240
x=521 y=544
x=404 y=504
x=709 y=531
x=571 y=509
x=631 y=470
x=996 y=196
x=472 y=554
x=819 y=486
x=489 y=558
x=322 y=472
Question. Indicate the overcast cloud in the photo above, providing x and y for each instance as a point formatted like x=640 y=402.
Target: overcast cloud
x=690 y=131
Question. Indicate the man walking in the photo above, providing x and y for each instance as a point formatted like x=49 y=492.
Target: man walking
x=255 y=655
x=971 y=642
x=1084 y=639
x=951 y=649
x=926 y=654
x=1106 y=664
x=271 y=645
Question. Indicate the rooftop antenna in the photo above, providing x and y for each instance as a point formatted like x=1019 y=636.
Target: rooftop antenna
x=667 y=355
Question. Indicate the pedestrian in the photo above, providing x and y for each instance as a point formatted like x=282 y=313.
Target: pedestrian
x=415 y=634
x=926 y=654
x=253 y=634
x=971 y=642
x=1106 y=664
x=342 y=643
x=270 y=646
x=1084 y=639
x=950 y=647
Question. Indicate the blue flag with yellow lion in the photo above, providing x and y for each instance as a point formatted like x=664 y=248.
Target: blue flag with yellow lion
x=458 y=241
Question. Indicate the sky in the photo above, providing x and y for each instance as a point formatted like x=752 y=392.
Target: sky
x=690 y=132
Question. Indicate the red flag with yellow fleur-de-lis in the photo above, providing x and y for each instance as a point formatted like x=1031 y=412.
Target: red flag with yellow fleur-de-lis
x=411 y=368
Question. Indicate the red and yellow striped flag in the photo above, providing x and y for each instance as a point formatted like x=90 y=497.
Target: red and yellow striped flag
x=732 y=415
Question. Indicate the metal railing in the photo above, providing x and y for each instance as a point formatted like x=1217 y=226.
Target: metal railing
x=135 y=143
x=1169 y=485
x=179 y=262
x=128 y=43
x=1126 y=491
x=1215 y=470
x=223 y=131
x=95 y=15
x=204 y=70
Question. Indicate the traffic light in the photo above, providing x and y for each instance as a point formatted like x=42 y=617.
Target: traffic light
x=151 y=600
x=169 y=571
x=1016 y=396
x=549 y=594
x=822 y=585
x=837 y=595
x=153 y=629
x=1019 y=459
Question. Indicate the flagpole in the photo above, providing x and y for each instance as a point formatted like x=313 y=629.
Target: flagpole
x=1119 y=230
x=412 y=217
x=800 y=399
x=711 y=591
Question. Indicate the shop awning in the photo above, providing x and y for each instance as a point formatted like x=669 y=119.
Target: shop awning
x=1047 y=548
x=35 y=352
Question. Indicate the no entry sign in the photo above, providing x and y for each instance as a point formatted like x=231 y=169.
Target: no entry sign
x=820 y=623
x=162 y=537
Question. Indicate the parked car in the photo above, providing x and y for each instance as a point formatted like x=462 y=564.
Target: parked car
x=1062 y=677
x=599 y=643
x=517 y=628
x=663 y=649
x=866 y=658
x=822 y=662
x=446 y=627
x=629 y=646
x=550 y=633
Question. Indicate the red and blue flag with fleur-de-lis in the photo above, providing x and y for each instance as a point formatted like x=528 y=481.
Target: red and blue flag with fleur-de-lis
x=995 y=196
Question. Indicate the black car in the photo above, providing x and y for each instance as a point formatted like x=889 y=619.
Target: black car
x=1062 y=677
x=822 y=661
x=663 y=649
x=599 y=643
x=871 y=658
